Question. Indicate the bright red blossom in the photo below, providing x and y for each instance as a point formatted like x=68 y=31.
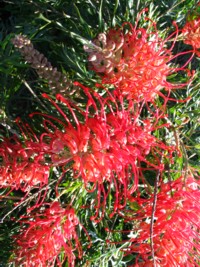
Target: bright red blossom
x=143 y=69
x=104 y=144
x=100 y=147
x=104 y=147
x=48 y=234
x=191 y=34
x=135 y=60
x=176 y=226
x=22 y=164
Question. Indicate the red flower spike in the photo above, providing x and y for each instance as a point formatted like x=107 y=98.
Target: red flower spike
x=22 y=165
x=104 y=148
x=191 y=31
x=135 y=61
x=48 y=234
x=176 y=226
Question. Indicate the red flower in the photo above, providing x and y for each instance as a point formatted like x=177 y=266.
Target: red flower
x=106 y=52
x=176 y=226
x=135 y=61
x=48 y=234
x=22 y=164
x=103 y=147
x=191 y=31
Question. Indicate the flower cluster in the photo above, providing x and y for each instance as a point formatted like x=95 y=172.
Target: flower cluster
x=102 y=146
x=46 y=235
x=111 y=141
x=135 y=61
x=191 y=30
x=106 y=146
x=175 y=229
x=22 y=165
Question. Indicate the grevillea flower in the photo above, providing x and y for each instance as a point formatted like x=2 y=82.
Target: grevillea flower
x=22 y=165
x=191 y=30
x=176 y=227
x=106 y=146
x=46 y=235
x=135 y=60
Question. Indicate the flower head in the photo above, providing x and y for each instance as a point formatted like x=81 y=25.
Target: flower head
x=106 y=146
x=103 y=143
x=134 y=60
x=46 y=235
x=176 y=226
x=191 y=30
x=100 y=147
x=22 y=164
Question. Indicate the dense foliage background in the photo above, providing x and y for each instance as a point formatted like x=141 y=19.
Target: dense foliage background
x=59 y=29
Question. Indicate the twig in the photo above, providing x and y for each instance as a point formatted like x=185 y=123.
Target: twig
x=9 y=197
x=33 y=93
x=152 y=218
x=9 y=129
x=7 y=123
x=23 y=203
x=186 y=163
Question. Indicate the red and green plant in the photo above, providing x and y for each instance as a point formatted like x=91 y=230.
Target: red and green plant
x=99 y=172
